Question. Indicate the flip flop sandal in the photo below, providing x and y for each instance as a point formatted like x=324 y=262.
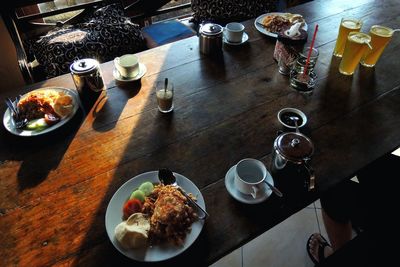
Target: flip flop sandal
x=321 y=250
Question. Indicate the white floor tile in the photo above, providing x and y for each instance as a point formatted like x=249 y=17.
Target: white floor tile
x=233 y=259
x=396 y=152
x=321 y=223
x=285 y=244
x=317 y=204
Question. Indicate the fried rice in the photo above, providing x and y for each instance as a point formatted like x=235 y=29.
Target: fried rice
x=170 y=215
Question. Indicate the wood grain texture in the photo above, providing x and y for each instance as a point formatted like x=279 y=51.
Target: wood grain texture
x=55 y=188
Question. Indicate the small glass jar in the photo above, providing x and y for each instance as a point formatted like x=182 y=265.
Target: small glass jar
x=287 y=50
x=301 y=79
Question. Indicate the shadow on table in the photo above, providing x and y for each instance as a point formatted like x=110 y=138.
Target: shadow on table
x=25 y=149
x=112 y=104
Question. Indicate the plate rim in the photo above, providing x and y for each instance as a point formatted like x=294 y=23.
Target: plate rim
x=142 y=72
x=152 y=177
x=245 y=38
x=268 y=33
x=71 y=92
x=242 y=200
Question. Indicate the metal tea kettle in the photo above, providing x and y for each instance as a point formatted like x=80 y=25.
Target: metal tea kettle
x=292 y=151
x=210 y=38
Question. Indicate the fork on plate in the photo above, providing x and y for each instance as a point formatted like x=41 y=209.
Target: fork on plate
x=17 y=120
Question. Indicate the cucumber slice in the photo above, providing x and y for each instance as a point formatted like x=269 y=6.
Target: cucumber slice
x=36 y=125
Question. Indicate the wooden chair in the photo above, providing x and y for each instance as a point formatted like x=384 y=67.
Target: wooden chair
x=230 y=10
x=24 y=27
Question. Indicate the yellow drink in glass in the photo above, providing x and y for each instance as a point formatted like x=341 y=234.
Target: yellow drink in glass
x=346 y=26
x=356 y=45
x=380 y=37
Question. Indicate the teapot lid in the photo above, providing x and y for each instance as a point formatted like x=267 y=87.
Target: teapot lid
x=294 y=146
x=85 y=65
x=211 y=29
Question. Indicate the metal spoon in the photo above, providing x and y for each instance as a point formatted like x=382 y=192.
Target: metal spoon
x=274 y=189
x=168 y=178
x=295 y=119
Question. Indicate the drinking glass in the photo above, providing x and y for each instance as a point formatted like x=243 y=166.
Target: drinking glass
x=356 y=45
x=301 y=79
x=380 y=37
x=165 y=95
x=347 y=25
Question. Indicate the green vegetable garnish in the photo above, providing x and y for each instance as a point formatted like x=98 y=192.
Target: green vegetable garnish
x=36 y=125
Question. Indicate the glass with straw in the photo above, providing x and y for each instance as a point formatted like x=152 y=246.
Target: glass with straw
x=347 y=25
x=380 y=37
x=302 y=75
x=165 y=95
x=356 y=46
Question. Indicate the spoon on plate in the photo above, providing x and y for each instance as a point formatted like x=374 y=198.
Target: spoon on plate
x=168 y=178
x=274 y=189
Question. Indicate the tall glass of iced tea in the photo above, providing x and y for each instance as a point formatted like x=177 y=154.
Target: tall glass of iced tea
x=380 y=37
x=356 y=45
x=346 y=25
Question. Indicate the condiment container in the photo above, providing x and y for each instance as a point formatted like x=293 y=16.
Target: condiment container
x=287 y=49
x=210 y=38
x=292 y=152
x=87 y=76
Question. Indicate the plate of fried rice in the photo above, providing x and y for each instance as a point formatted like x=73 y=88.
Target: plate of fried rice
x=174 y=225
x=272 y=23
x=45 y=109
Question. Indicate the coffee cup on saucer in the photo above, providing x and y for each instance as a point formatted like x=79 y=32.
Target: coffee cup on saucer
x=127 y=65
x=249 y=176
x=234 y=32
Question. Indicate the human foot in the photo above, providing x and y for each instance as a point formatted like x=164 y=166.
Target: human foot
x=318 y=248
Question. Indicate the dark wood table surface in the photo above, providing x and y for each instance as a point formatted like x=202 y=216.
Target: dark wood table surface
x=55 y=188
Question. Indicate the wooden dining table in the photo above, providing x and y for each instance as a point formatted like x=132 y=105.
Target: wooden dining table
x=55 y=187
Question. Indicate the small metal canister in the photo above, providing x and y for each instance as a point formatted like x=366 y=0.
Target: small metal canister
x=291 y=154
x=210 y=38
x=87 y=76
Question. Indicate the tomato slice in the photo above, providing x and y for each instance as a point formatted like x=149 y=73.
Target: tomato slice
x=51 y=119
x=131 y=206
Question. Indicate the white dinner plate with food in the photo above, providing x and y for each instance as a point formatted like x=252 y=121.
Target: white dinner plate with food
x=46 y=95
x=153 y=253
x=291 y=19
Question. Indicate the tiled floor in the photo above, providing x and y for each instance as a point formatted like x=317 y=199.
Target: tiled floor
x=275 y=249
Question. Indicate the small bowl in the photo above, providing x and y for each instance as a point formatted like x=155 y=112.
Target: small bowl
x=285 y=114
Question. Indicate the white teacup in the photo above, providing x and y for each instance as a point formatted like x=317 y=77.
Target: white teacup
x=127 y=65
x=249 y=176
x=234 y=32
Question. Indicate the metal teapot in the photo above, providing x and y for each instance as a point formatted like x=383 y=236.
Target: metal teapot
x=87 y=76
x=292 y=153
x=210 y=38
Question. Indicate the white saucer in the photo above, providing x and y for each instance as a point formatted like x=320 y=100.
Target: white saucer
x=248 y=199
x=118 y=77
x=245 y=37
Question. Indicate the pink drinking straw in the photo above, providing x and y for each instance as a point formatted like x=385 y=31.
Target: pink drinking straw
x=309 y=52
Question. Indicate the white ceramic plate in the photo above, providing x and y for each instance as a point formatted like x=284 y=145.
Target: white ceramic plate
x=261 y=29
x=23 y=132
x=245 y=37
x=247 y=199
x=157 y=252
x=118 y=77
